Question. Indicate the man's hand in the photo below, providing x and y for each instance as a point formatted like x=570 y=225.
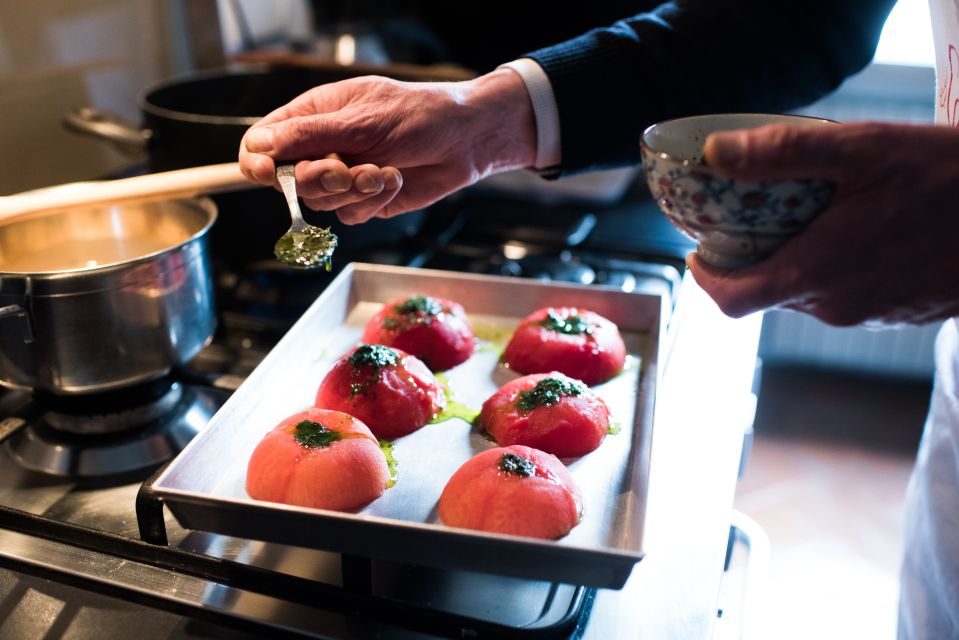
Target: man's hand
x=374 y=147
x=884 y=252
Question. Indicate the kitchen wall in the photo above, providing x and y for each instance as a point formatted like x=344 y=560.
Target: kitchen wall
x=249 y=23
x=58 y=55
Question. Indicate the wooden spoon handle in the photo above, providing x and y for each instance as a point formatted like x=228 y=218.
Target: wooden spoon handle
x=182 y=183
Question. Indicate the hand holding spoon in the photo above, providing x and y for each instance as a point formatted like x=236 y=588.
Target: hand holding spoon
x=304 y=245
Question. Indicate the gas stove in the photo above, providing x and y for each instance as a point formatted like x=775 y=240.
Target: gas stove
x=76 y=500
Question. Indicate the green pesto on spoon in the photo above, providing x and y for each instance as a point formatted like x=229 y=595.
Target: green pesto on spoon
x=304 y=245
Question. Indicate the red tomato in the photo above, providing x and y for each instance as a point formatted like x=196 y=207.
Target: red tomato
x=435 y=330
x=321 y=459
x=515 y=490
x=388 y=389
x=547 y=411
x=578 y=342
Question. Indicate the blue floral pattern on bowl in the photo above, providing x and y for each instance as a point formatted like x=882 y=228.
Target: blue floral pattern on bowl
x=736 y=222
x=690 y=193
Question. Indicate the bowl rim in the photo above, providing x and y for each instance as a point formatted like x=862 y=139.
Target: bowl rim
x=663 y=155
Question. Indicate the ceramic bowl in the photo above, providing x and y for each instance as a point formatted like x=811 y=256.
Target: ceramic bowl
x=736 y=222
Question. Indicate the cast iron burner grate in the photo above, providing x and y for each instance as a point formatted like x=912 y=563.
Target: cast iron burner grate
x=76 y=437
x=126 y=409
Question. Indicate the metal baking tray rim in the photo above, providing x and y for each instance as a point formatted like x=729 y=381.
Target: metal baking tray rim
x=606 y=564
x=393 y=523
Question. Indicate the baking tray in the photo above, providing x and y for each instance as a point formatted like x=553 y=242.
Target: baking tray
x=204 y=485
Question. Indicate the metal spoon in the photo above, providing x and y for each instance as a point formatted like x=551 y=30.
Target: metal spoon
x=304 y=245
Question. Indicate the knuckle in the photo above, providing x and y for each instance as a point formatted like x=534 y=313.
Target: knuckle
x=780 y=133
x=322 y=203
x=859 y=140
x=783 y=143
x=316 y=204
x=348 y=218
x=310 y=187
x=360 y=212
x=787 y=138
x=295 y=131
x=368 y=208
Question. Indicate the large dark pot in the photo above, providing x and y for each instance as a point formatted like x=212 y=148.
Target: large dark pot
x=199 y=119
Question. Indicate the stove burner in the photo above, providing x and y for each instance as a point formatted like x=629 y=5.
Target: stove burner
x=561 y=268
x=130 y=439
x=78 y=418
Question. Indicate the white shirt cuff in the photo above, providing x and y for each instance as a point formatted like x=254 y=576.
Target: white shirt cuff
x=548 y=151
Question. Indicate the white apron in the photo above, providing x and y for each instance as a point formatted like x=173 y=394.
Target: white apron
x=929 y=599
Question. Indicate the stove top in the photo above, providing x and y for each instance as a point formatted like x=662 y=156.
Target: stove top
x=75 y=474
x=103 y=442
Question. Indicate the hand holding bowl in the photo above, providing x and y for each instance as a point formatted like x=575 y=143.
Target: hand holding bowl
x=736 y=222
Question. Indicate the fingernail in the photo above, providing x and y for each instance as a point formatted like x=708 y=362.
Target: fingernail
x=393 y=180
x=335 y=182
x=726 y=149
x=259 y=140
x=365 y=183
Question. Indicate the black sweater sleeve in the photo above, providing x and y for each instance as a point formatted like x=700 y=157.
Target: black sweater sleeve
x=701 y=56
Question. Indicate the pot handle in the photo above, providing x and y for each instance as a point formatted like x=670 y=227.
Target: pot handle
x=16 y=311
x=107 y=126
x=167 y=185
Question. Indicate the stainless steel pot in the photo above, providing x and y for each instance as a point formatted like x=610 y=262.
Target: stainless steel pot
x=99 y=298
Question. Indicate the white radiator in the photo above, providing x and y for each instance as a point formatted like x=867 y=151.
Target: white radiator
x=794 y=338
